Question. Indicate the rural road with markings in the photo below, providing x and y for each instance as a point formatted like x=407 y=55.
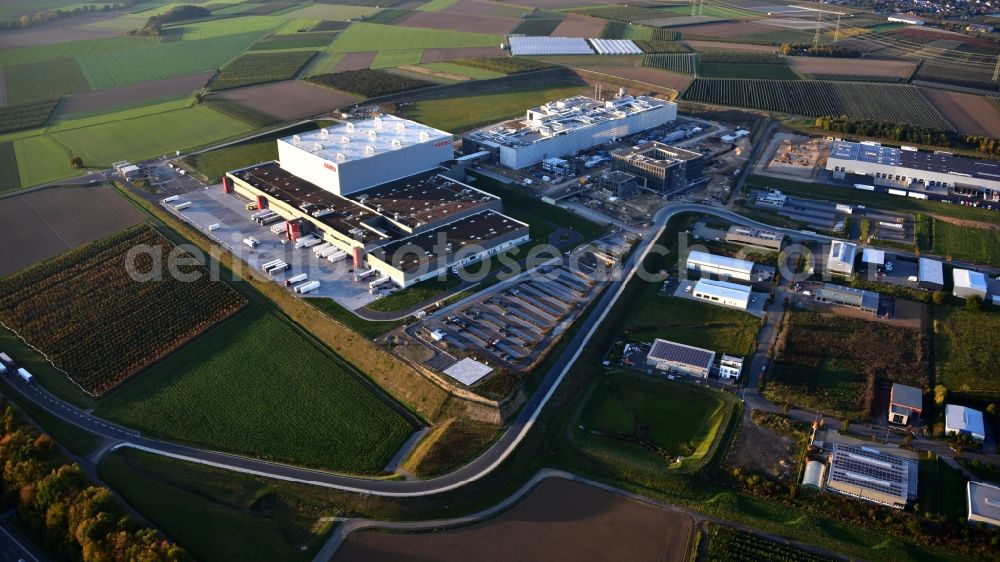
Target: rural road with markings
x=475 y=470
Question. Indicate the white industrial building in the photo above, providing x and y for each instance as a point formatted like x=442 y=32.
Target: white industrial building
x=872 y=475
x=841 y=258
x=674 y=357
x=615 y=47
x=721 y=266
x=969 y=283
x=528 y=46
x=960 y=420
x=723 y=293
x=909 y=167
x=568 y=126
x=730 y=367
x=984 y=503
x=930 y=274
x=903 y=18
x=356 y=155
x=872 y=256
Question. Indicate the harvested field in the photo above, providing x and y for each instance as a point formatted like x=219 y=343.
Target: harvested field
x=74 y=28
x=559 y=520
x=723 y=46
x=459 y=22
x=443 y=55
x=45 y=223
x=153 y=89
x=576 y=25
x=969 y=114
x=3 y=87
x=727 y=29
x=356 y=61
x=672 y=80
x=288 y=100
x=545 y=4
x=484 y=9
x=852 y=67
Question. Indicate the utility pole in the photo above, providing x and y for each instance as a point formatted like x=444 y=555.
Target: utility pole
x=836 y=31
x=819 y=20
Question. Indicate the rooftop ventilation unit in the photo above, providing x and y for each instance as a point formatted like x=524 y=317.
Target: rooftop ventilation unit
x=378 y=122
x=424 y=136
x=341 y=157
x=324 y=132
x=400 y=127
x=372 y=135
x=296 y=138
x=350 y=127
x=369 y=150
x=317 y=147
x=345 y=139
x=396 y=143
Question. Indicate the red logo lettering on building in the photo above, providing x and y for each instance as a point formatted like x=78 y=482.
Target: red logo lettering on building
x=439 y=144
x=330 y=166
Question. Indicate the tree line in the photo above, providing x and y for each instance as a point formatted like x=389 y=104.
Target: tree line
x=154 y=25
x=62 y=510
x=810 y=50
x=37 y=18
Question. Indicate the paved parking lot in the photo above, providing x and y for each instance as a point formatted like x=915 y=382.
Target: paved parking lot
x=211 y=206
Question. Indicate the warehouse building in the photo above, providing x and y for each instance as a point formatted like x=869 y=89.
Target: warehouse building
x=668 y=356
x=409 y=229
x=969 y=283
x=848 y=296
x=666 y=169
x=984 y=503
x=840 y=260
x=765 y=239
x=909 y=167
x=960 y=420
x=722 y=293
x=904 y=403
x=871 y=475
x=930 y=274
x=568 y=126
x=720 y=266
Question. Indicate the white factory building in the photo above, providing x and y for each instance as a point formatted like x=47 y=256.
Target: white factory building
x=960 y=420
x=568 y=126
x=840 y=260
x=356 y=155
x=720 y=266
x=969 y=283
x=908 y=167
x=722 y=293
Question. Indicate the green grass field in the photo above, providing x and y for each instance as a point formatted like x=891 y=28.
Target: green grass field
x=631 y=414
x=257 y=385
x=965 y=243
x=462 y=70
x=214 y=163
x=72 y=49
x=389 y=59
x=942 y=488
x=122 y=67
x=41 y=159
x=965 y=358
x=375 y=37
x=258 y=68
x=415 y=294
x=333 y=12
x=746 y=70
x=48 y=80
x=718 y=329
x=231 y=26
x=298 y=41
x=436 y=5
x=9 y=178
x=467 y=112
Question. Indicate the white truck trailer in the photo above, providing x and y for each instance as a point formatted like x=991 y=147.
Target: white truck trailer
x=319 y=249
x=337 y=256
x=25 y=375
x=182 y=206
x=251 y=241
x=307 y=287
x=296 y=279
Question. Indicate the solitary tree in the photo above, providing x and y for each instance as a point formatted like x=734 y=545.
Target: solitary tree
x=940 y=394
x=76 y=162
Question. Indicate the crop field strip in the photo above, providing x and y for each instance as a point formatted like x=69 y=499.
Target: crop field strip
x=726 y=544
x=258 y=68
x=26 y=115
x=876 y=101
x=399 y=57
x=297 y=41
x=9 y=178
x=73 y=49
x=47 y=80
x=374 y=37
x=622 y=30
x=368 y=83
x=101 y=326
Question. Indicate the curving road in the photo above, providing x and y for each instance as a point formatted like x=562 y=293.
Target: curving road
x=480 y=467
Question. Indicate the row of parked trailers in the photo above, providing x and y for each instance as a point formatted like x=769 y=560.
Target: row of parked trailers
x=7 y=365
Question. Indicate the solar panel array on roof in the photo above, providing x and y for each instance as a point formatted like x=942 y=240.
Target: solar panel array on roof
x=886 y=478
x=615 y=47
x=664 y=350
x=872 y=153
x=549 y=46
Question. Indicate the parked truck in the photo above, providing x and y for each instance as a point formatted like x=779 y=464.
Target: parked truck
x=280 y=265
x=379 y=282
x=25 y=375
x=6 y=361
x=307 y=287
x=251 y=241
x=309 y=243
x=265 y=265
x=337 y=256
x=271 y=219
x=280 y=268
x=296 y=279
x=171 y=199
x=279 y=228
x=327 y=252
x=319 y=249
x=182 y=206
x=362 y=275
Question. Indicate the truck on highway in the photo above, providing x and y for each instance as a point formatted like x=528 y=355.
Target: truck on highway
x=296 y=279
x=6 y=361
x=25 y=375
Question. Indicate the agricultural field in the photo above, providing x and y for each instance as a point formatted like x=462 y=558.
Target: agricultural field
x=214 y=163
x=461 y=113
x=504 y=65
x=462 y=70
x=969 y=114
x=375 y=37
x=624 y=30
x=711 y=327
x=402 y=57
x=684 y=63
x=339 y=11
x=368 y=83
x=297 y=41
x=657 y=46
x=558 y=520
x=123 y=67
x=637 y=416
x=536 y=26
x=964 y=243
x=626 y=13
x=122 y=324
x=26 y=115
x=872 y=69
x=966 y=360
x=258 y=68
x=831 y=362
x=129 y=97
x=726 y=544
x=41 y=159
x=214 y=29
x=297 y=395
x=880 y=102
x=48 y=80
x=576 y=25
x=45 y=223
x=474 y=23
x=9 y=179
x=746 y=70
x=278 y=101
x=71 y=49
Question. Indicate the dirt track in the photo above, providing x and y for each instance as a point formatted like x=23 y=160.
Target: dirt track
x=152 y=89
x=559 y=520
x=289 y=100
x=45 y=223
x=969 y=114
